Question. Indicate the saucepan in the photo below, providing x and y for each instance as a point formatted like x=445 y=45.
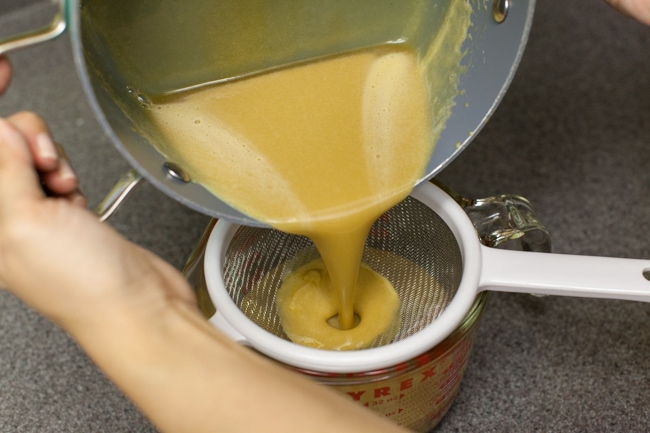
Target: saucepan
x=125 y=50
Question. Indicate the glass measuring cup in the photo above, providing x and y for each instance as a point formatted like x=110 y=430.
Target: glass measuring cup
x=419 y=391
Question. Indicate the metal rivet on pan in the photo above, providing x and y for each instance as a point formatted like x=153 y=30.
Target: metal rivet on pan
x=176 y=172
x=500 y=10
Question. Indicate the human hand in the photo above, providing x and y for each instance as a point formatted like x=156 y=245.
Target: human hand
x=53 y=168
x=135 y=315
x=55 y=255
x=637 y=9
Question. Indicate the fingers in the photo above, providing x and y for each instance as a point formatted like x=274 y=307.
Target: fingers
x=18 y=180
x=50 y=160
x=63 y=182
x=39 y=139
x=5 y=74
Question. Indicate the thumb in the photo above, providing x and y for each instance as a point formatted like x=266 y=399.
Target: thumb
x=18 y=177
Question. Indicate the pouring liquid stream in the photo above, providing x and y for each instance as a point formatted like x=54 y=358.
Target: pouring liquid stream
x=321 y=149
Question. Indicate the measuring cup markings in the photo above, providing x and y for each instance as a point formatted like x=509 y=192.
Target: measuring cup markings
x=417 y=395
x=430 y=387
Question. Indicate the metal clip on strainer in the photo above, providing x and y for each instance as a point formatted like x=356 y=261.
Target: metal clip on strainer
x=431 y=230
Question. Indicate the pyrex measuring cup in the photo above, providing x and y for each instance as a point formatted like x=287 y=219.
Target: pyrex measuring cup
x=418 y=392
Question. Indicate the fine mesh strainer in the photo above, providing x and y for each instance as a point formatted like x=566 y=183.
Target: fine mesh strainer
x=407 y=246
x=428 y=249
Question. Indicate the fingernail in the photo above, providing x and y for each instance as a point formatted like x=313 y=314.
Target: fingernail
x=65 y=171
x=45 y=146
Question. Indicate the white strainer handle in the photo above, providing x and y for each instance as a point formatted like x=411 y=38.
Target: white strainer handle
x=567 y=275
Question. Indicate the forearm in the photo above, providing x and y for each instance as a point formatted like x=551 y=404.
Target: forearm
x=186 y=377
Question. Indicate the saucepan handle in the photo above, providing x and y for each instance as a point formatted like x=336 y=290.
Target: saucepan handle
x=116 y=196
x=123 y=187
x=567 y=275
x=43 y=34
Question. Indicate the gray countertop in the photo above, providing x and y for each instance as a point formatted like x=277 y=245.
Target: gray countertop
x=572 y=135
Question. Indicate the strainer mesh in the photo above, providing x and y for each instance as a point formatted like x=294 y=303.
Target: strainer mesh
x=410 y=245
